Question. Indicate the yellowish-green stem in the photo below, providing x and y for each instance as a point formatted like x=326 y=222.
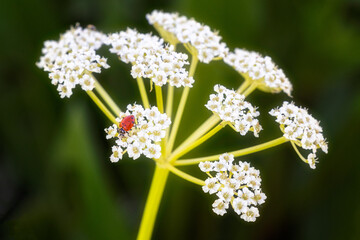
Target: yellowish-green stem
x=185 y=175
x=159 y=98
x=206 y=126
x=181 y=107
x=298 y=152
x=243 y=86
x=143 y=93
x=160 y=105
x=102 y=107
x=238 y=153
x=104 y=95
x=169 y=100
x=169 y=105
x=177 y=120
x=177 y=154
x=250 y=89
x=152 y=203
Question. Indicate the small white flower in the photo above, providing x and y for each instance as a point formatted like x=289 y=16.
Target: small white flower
x=219 y=207
x=259 y=197
x=250 y=214
x=226 y=194
x=152 y=151
x=246 y=195
x=116 y=154
x=211 y=185
x=206 y=166
x=134 y=151
x=231 y=107
x=312 y=160
x=111 y=131
x=239 y=205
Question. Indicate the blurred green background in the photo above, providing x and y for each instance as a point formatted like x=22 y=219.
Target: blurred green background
x=56 y=180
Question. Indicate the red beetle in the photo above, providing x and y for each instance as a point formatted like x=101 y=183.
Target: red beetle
x=126 y=124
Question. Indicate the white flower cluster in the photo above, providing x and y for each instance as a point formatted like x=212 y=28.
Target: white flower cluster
x=238 y=185
x=150 y=58
x=231 y=107
x=199 y=36
x=71 y=60
x=301 y=128
x=143 y=138
x=260 y=69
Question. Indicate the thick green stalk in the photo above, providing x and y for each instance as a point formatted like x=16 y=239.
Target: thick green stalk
x=152 y=203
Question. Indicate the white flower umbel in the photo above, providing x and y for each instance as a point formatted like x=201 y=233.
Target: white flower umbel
x=301 y=129
x=202 y=40
x=231 y=107
x=262 y=70
x=71 y=60
x=150 y=58
x=235 y=184
x=143 y=138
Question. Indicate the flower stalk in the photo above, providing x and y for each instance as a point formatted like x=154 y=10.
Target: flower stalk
x=237 y=153
x=143 y=93
x=102 y=107
x=153 y=202
x=108 y=100
x=181 y=107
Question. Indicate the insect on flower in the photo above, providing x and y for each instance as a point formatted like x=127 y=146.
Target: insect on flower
x=126 y=124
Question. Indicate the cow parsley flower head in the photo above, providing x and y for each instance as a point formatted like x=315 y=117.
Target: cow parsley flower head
x=150 y=58
x=143 y=138
x=72 y=59
x=262 y=70
x=231 y=107
x=301 y=128
x=238 y=185
x=198 y=38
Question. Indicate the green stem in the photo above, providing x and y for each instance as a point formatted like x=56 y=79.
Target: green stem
x=185 y=176
x=238 y=153
x=243 y=86
x=206 y=126
x=177 y=120
x=159 y=98
x=102 y=107
x=181 y=107
x=177 y=154
x=169 y=105
x=109 y=101
x=298 y=152
x=143 y=93
x=250 y=89
x=152 y=203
